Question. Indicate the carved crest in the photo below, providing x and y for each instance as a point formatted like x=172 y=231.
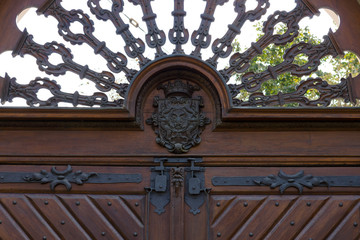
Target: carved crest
x=178 y=121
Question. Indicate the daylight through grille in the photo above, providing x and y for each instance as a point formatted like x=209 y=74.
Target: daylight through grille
x=300 y=58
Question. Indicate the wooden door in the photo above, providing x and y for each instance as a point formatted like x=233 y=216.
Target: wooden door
x=180 y=155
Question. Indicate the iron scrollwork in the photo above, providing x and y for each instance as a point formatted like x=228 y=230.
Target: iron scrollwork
x=178 y=121
x=285 y=181
x=56 y=177
x=178 y=35
x=67 y=177
x=29 y=92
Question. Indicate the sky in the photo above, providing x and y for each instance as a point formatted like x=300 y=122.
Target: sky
x=45 y=30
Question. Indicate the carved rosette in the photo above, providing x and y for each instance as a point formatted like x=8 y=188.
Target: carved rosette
x=178 y=121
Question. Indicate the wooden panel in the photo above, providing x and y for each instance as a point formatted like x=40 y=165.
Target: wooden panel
x=330 y=216
x=261 y=212
x=68 y=216
x=112 y=143
x=23 y=213
x=232 y=207
x=122 y=215
x=9 y=228
x=297 y=217
x=349 y=227
x=284 y=217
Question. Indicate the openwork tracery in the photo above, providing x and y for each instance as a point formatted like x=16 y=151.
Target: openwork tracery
x=178 y=35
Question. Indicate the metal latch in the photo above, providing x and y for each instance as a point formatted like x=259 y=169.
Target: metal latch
x=194 y=182
x=160 y=180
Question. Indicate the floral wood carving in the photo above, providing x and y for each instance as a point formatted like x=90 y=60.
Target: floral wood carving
x=178 y=121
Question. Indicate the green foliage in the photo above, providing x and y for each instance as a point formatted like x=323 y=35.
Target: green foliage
x=331 y=69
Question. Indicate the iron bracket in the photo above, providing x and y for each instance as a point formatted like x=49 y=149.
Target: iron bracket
x=195 y=191
x=67 y=177
x=285 y=181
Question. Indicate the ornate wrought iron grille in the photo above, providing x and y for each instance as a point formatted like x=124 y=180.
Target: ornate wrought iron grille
x=178 y=35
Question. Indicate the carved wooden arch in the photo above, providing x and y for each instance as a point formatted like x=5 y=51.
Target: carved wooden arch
x=169 y=68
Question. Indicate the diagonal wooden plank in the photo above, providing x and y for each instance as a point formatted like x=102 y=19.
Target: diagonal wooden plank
x=328 y=217
x=137 y=205
x=121 y=216
x=296 y=218
x=22 y=211
x=349 y=228
x=8 y=227
x=63 y=223
x=90 y=218
x=264 y=217
x=238 y=211
x=218 y=204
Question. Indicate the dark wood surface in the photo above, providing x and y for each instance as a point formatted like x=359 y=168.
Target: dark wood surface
x=238 y=142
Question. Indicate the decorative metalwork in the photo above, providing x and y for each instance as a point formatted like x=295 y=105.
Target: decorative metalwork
x=201 y=37
x=327 y=93
x=178 y=35
x=240 y=62
x=67 y=177
x=222 y=47
x=284 y=181
x=159 y=194
x=195 y=190
x=29 y=92
x=155 y=38
x=134 y=48
x=178 y=121
x=116 y=62
x=56 y=177
x=104 y=81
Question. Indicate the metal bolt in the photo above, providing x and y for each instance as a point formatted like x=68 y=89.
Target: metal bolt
x=109 y=203
x=245 y=204
x=292 y=223
x=103 y=234
x=341 y=204
x=277 y=204
x=218 y=234
x=218 y=204
x=355 y=224
x=308 y=204
x=0 y=222
x=46 y=202
x=44 y=238
x=135 y=234
x=136 y=204
x=62 y=222
x=251 y=234
x=77 y=203
x=14 y=202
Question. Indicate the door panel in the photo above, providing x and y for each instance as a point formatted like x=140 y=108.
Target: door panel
x=189 y=201
x=268 y=203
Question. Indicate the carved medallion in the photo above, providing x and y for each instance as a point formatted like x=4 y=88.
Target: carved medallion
x=178 y=121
